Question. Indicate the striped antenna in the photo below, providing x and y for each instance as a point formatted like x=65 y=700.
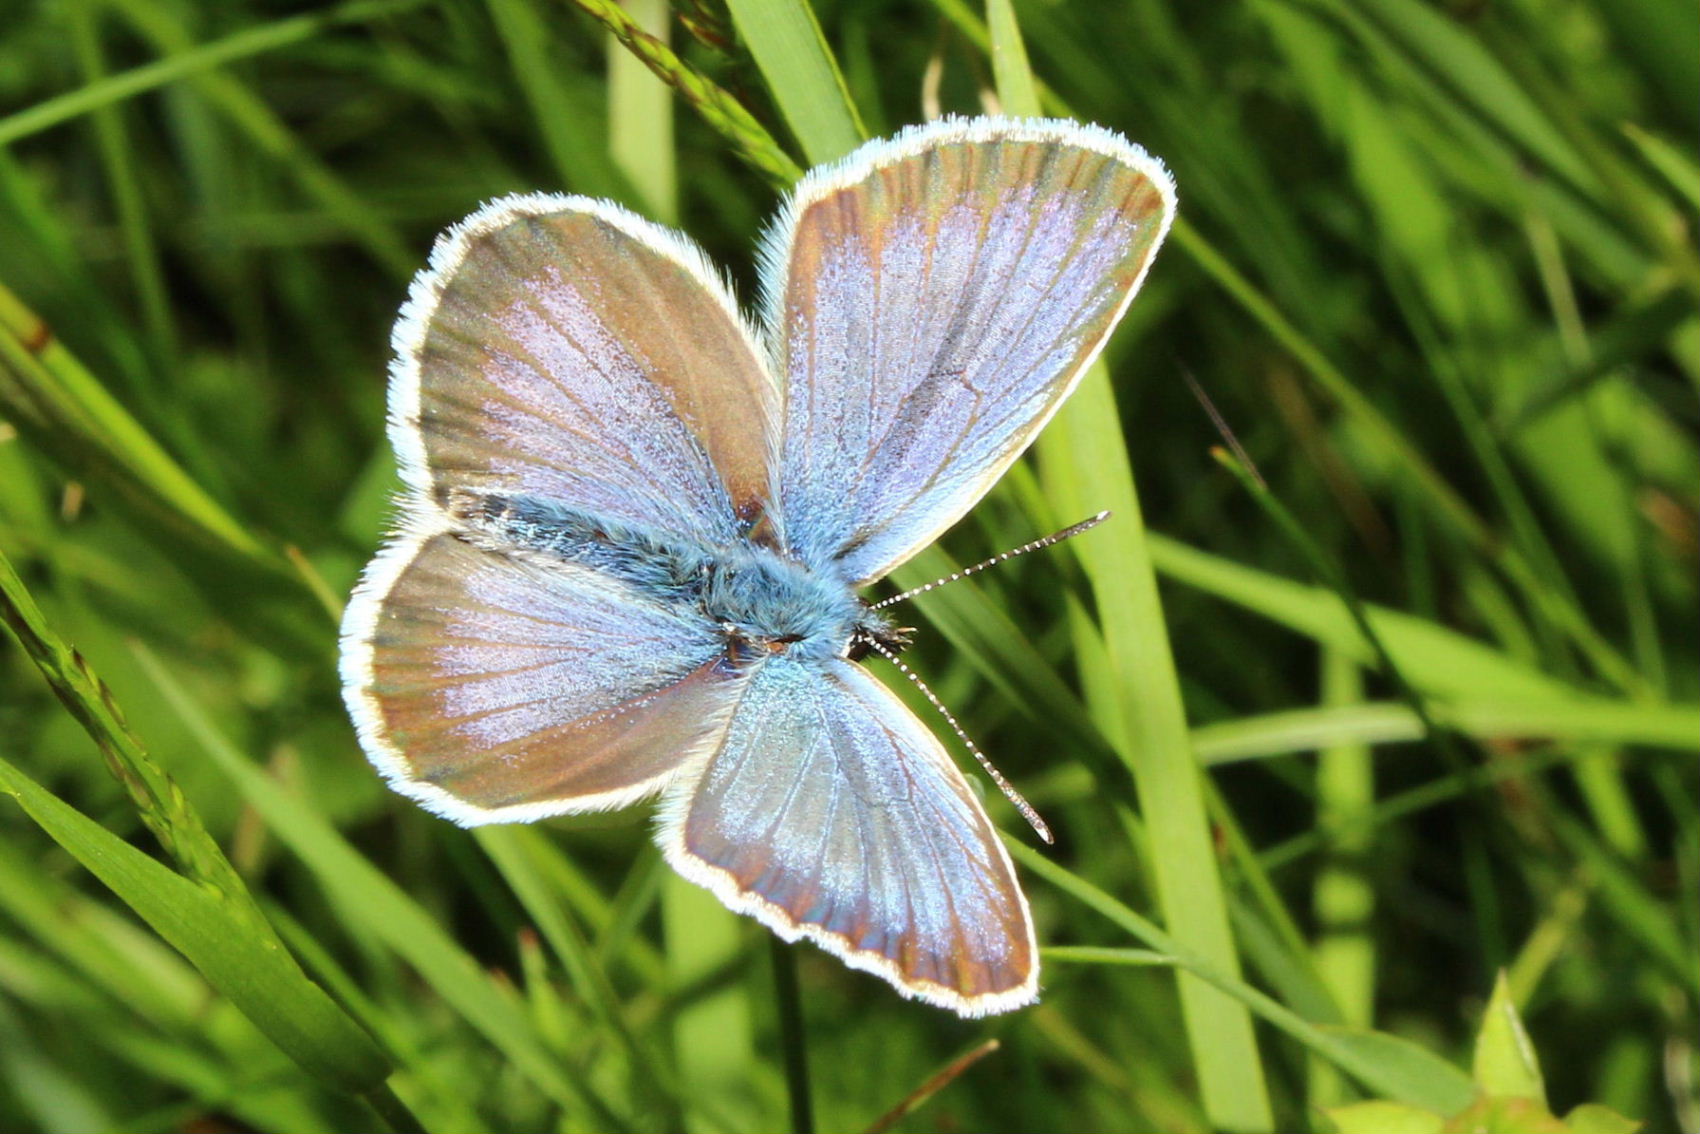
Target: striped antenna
x=1021 y=805
x=1055 y=537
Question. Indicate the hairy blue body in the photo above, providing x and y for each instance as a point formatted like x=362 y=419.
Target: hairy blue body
x=760 y=601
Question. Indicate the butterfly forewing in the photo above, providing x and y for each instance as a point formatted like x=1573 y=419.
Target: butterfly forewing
x=564 y=349
x=936 y=298
x=830 y=812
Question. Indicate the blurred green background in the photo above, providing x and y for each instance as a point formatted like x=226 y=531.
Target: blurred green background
x=1437 y=273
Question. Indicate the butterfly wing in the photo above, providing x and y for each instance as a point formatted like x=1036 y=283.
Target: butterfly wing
x=500 y=686
x=829 y=812
x=932 y=300
x=565 y=349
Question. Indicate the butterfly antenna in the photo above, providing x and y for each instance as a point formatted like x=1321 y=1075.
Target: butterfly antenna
x=1039 y=826
x=1039 y=544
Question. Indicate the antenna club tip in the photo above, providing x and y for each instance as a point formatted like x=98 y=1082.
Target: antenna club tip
x=1050 y=839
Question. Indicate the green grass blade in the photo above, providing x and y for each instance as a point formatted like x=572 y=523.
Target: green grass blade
x=717 y=106
x=1577 y=720
x=387 y=913
x=1013 y=76
x=1343 y=897
x=1085 y=462
x=1084 y=458
x=786 y=41
x=640 y=116
x=192 y=61
x=158 y=800
x=1395 y=1067
x=46 y=390
x=269 y=134
x=251 y=968
x=1674 y=163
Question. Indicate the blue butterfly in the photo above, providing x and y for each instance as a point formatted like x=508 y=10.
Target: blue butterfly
x=635 y=525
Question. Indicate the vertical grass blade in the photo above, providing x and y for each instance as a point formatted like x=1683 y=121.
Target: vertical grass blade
x=640 y=116
x=716 y=105
x=786 y=41
x=1342 y=898
x=1084 y=460
x=1085 y=464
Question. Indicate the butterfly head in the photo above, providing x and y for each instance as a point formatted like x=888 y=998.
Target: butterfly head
x=768 y=605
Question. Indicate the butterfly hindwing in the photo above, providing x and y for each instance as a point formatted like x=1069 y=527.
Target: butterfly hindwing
x=497 y=685
x=830 y=812
x=931 y=301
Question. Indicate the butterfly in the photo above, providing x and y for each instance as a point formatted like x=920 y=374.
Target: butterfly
x=635 y=525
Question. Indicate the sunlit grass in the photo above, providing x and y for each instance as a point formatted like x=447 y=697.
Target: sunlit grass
x=1435 y=269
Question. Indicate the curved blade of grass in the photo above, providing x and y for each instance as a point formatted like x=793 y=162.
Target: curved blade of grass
x=52 y=396
x=1084 y=461
x=1577 y=720
x=387 y=913
x=271 y=136
x=1434 y=658
x=157 y=798
x=251 y=968
x=717 y=107
x=786 y=41
x=1394 y=1067
x=192 y=61
x=555 y=115
x=1676 y=164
